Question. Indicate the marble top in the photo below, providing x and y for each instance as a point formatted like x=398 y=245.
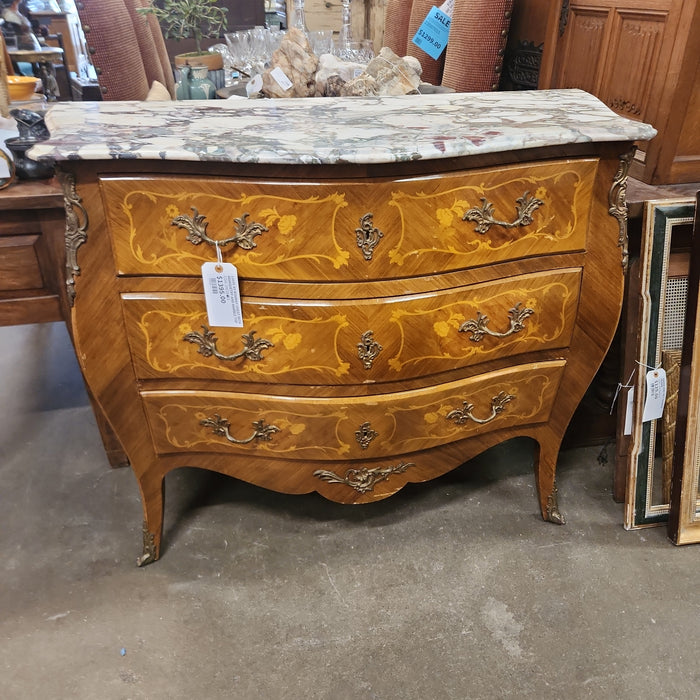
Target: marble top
x=332 y=130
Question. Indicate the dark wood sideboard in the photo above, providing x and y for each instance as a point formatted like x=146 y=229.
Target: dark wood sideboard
x=32 y=225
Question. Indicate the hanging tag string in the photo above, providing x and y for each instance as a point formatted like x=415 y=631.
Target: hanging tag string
x=620 y=387
x=447 y=7
x=219 y=257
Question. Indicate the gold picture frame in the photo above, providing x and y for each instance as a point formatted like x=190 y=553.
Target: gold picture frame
x=684 y=507
x=646 y=490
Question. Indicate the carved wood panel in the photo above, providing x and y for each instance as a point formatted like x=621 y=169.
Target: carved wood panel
x=633 y=60
x=641 y=59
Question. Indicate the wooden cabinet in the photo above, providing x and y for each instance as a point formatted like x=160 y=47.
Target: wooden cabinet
x=32 y=225
x=358 y=368
x=642 y=59
x=400 y=314
x=67 y=24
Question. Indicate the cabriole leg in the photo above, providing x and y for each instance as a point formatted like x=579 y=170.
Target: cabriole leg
x=545 y=468
x=152 y=500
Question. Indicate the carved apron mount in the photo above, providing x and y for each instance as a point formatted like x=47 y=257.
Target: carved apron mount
x=76 y=230
x=617 y=200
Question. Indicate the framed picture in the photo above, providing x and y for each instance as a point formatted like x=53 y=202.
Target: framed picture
x=661 y=278
x=684 y=513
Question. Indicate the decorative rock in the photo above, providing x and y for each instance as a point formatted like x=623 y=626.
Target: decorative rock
x=329 y=65
x=295 y=60
x=394 y=75
x=334 y=86
x=361 y=86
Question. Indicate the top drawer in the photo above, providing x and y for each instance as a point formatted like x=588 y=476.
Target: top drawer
x=349 y=230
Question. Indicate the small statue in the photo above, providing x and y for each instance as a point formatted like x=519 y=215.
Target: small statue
x=16 y=28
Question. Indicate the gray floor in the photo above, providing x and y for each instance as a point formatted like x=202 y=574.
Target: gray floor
x=452 y=589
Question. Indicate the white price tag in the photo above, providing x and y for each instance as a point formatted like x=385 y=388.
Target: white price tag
x=222 y=294
x=281 y=78
x=656 y=395
x=629 y=411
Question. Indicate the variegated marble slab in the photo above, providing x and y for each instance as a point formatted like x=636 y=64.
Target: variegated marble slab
x=332 y=130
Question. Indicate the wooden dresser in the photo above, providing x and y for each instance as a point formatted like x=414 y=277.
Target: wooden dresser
x=32 y=225
x=421 y=278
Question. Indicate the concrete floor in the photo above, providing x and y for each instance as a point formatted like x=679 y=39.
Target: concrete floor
x=451 y=589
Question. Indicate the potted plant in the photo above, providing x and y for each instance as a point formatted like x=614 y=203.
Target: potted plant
x=196 y=19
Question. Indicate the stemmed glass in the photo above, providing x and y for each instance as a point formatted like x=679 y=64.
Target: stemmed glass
x=347 y=49
x=299 y=18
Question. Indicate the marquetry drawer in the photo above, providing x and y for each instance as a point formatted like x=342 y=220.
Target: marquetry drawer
x=349 y=230
x=303 y=341
x=311 y=428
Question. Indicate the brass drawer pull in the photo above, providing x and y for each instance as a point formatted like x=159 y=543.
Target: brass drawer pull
x=368 y=349
x=461 y=415
x=196 y=227
x=483 y=215
x=220 y=426
x=253 y=347
x=478 y=327
x=368 y=236
x=363 y=479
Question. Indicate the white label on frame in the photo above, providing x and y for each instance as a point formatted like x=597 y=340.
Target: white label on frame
x=629 y=411
x=222 y=294
x=656 y=395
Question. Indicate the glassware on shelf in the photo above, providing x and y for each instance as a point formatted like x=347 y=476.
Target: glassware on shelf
x=321 y=41
x=346 y=25
x=299 y=18
x=345 y=47
x=249 y=51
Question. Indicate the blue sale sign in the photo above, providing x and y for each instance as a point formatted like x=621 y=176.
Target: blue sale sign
x=432 y=35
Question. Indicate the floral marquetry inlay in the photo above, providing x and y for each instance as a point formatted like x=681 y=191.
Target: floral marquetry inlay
x=538 y=222
x=534 y=315
x=267 y=229
x=171 y=340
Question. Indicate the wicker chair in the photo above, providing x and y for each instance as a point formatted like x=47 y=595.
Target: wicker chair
x=473 y=59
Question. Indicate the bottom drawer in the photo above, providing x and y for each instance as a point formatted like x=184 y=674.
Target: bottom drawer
x=307 y=428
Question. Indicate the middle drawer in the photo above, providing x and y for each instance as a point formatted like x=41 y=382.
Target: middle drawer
x=308 y=341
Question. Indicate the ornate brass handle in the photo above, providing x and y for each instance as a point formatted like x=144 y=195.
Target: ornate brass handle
x=252 y=350
x=461 y=415
x=368 y=236
x=196 y=227
x=363 y=479
x=368 y=349
x=478 y=327
x=220 y=426
x=483 y=215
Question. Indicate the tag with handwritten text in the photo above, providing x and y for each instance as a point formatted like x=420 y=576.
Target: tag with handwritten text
x=656 y=395
x=222 y=294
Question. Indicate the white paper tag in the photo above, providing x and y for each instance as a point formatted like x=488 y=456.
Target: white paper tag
x=656 y=395
x=448 y=7
x=281 y=78
x=222 y=294
x=629 y=411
